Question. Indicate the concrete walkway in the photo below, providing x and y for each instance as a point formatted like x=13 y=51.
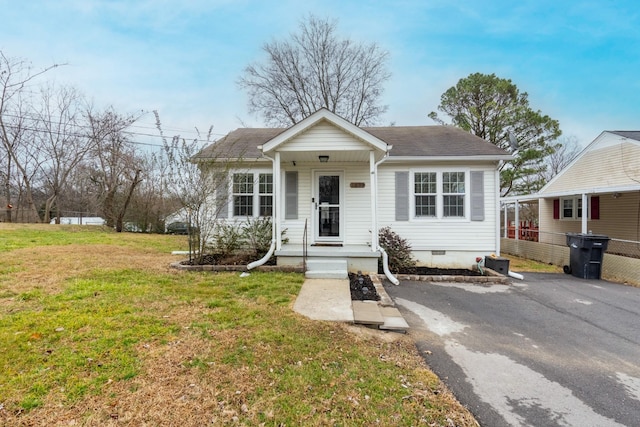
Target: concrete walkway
x=325 y=299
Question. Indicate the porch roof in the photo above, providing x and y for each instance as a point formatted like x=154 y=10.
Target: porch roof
x=568 y=193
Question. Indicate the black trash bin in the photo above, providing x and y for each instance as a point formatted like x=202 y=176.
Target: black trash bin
x=586 y=252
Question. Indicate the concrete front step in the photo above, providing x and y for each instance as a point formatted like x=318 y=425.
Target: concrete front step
x=326 y=268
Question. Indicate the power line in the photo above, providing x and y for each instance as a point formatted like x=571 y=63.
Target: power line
x=133 y=125
x=85 y=135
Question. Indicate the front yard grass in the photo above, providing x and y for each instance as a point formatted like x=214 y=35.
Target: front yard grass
x=96 y=329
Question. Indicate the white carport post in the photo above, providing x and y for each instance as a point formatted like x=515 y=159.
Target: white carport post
x=517 y=225
x=585 y=212
x=506 y=221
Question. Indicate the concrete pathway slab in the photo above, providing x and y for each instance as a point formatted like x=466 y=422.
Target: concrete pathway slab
x=325 y=299
x=393 y=320
x=367 y=313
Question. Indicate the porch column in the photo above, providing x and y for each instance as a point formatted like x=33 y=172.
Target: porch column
x=374 y=201
x=506 y=221
x=585 y=212
x=277 y=200
x=517 y=236
x=496 y=180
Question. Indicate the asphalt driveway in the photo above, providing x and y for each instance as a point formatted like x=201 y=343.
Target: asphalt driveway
x=550 y=350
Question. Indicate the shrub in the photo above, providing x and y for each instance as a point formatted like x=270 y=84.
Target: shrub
x=257 y=235
x=228 y=238
x=398 y=250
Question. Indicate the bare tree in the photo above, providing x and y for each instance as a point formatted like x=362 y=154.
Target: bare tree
x=316 y=69
x=117 y=171
x=565 y=150
x=62 y=138
x=151 y=203
x=15 y=75
x=200 y=185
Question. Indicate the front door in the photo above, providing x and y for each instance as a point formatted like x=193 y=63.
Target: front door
x=327 y=206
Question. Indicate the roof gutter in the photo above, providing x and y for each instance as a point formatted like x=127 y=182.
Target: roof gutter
x=484 y=158
x=598 y=190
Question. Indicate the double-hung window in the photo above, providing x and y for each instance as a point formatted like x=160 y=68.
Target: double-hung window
x=265 y=189
x=453 y=194
x=426 y=191
x=572 y=208
x=243 y=194
x=247 y=193
x=439 y=194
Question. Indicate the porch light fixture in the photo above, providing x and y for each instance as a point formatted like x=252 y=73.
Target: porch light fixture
x=323 y=159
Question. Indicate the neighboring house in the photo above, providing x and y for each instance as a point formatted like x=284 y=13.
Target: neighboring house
x=332 y=185
x=598 y=192
x=80 y=220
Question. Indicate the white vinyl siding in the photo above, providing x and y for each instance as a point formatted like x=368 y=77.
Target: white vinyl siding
x=610 y=166
x=357 y=205
x=618 y=219
x=437 y=234
x=324 y=137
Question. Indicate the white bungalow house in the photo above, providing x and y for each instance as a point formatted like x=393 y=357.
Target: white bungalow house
x=599 y=193
x=332 y=185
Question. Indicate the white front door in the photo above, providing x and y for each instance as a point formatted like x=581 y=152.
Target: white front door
x=327 y=206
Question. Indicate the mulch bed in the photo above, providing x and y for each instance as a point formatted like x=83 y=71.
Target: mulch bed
x=362 y=288
x=217 y=259
x=430 y=271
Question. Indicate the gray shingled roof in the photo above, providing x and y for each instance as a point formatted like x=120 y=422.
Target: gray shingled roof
x=407 y=141
x=631 y=134
x=433 y=141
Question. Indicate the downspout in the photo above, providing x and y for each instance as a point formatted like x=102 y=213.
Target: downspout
x=385 y=257
x=274 y=217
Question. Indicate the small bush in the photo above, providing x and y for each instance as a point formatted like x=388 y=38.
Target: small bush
x=398 y=250
x=228 y=238
x=257 y=235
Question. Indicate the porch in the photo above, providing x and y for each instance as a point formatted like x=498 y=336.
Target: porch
x=357 y=257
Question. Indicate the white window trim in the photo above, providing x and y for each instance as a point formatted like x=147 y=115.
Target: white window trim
x=574 y=217
x=439 y=195
x=256 y=193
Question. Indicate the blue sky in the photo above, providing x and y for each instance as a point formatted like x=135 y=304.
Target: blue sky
x=579 y=61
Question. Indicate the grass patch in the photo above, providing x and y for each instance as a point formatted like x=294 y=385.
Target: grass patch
x=95 y=329
x=522 y=265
